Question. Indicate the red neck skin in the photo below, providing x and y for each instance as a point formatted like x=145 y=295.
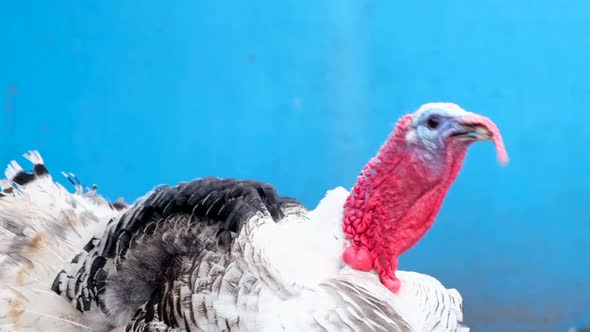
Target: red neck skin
x=394 y=203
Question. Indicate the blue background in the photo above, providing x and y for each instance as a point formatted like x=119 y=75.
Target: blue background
x=301 y=93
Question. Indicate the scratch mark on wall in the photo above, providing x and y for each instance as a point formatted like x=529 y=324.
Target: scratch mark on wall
x=9 y=107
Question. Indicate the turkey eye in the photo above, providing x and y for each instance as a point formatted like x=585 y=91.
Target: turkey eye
x=433 y=122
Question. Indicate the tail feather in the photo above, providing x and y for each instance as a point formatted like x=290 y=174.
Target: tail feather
x=42 y=227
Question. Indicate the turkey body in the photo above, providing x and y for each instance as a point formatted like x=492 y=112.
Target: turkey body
x=228 y=255
x=221 y=255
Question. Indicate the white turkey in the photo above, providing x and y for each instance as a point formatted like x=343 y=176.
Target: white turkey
x=230 y=255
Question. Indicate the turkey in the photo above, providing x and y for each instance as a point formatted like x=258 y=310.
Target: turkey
x=234 y=255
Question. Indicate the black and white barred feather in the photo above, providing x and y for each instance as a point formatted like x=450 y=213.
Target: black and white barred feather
x=42 y=226
x=138 y=252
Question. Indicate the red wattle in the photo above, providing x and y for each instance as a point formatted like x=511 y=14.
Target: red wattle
x=398 y=195
x=393 y=204
x=358 y=258
x=393 y=284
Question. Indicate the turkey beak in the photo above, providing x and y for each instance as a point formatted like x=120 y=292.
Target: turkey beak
x=474 y=127
x=472 y=133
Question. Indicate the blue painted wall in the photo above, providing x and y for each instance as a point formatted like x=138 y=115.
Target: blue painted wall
x=301 y=93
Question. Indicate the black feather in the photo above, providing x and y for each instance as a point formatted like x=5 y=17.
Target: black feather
x=40 y=169
x=22 y=178
x=149 y=242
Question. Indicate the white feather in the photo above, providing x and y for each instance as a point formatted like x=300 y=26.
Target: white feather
x=34 y=157
x=305 y=254
x=41 y=207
